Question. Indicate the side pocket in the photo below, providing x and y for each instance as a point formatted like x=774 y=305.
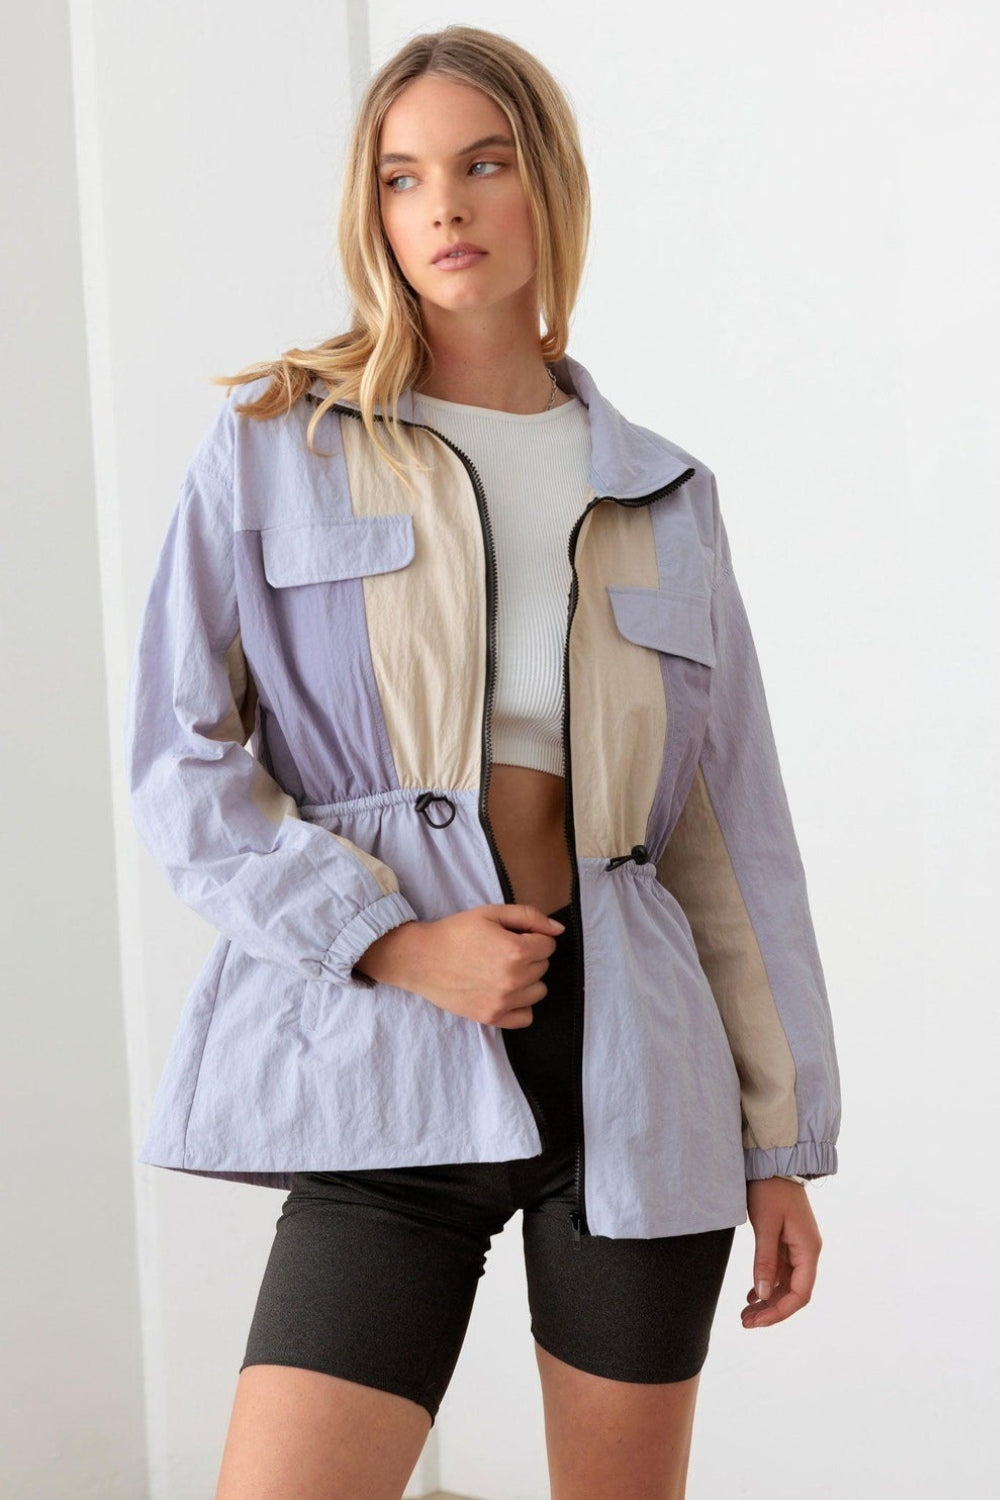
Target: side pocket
x=311 y=1011
x=321 y=998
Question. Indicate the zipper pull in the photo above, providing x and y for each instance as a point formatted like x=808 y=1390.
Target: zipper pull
x=575 y=1221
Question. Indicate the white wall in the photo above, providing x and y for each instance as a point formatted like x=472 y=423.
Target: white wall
x=794 y=228
x=71 y=1377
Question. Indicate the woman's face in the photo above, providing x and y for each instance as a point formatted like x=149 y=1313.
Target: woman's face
x=444 y=186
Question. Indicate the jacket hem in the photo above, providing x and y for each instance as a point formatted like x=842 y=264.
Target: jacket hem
x=429 y=1152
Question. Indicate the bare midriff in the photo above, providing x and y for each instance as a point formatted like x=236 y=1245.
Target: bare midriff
x=527 y=814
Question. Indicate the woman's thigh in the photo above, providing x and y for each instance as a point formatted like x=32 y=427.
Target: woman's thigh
x=638 y=1310
x=302 y=1432
x=622 y=1330
x=372 y=1275
x=611 y=1437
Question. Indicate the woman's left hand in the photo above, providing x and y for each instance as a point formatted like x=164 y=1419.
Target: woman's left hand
x=788 y=1243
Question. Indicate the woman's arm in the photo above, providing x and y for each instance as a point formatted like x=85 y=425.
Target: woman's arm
x=231 y=842
x=733 y=864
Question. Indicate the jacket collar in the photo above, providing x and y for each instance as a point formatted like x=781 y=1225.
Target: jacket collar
x=627 y=462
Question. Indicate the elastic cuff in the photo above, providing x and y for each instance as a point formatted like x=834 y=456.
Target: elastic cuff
x=371 y=923
x=804 y=1159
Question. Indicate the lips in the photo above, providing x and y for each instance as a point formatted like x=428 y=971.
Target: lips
x=456 y=251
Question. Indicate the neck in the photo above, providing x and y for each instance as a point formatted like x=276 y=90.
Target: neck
x=484 y=362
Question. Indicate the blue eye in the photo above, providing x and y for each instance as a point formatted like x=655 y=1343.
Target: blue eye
x=390 y=182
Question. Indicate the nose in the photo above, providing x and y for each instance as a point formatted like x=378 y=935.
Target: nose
x=446 y=216
x=451 y=207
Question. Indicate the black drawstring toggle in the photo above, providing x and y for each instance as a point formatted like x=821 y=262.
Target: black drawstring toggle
x=426 y=798
x=639 y=853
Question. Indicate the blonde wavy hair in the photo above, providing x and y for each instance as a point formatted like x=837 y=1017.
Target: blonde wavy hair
x=385 y=351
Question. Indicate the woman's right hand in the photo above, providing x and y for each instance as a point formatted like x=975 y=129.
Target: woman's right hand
x=485 y=963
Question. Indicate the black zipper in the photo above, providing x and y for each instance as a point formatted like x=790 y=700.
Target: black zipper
x=578 y=1215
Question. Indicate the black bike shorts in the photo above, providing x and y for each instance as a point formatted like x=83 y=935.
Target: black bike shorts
x=372 y=1274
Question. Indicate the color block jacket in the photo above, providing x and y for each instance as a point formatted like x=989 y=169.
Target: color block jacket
x=308 y=750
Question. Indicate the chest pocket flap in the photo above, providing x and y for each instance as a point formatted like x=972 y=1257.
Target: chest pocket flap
x=665 y=620
x=324 y=551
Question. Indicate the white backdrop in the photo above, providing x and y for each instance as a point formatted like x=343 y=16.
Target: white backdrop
x=791 y=275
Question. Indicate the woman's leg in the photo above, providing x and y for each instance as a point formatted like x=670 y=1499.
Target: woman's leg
x=360 y=1319
x=621 y=1326
x=306 y=1435
x=621 y=1330
x=610 y=1437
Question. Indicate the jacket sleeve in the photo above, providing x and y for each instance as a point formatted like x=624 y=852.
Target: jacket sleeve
x=231 y=842
x=734 y=866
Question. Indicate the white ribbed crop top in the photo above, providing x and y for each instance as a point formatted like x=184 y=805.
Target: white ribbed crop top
x=535 y=470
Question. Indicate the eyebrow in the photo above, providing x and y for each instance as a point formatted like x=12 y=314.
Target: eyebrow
x=487 y=140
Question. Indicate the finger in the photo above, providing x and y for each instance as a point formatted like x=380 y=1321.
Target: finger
x=766 y=1259
x=791 y=1292
x=781 y=1282
x=523 y=918
x=778 y=1288
x=516 y=1020
x=767 y=1284
x=779 y=1307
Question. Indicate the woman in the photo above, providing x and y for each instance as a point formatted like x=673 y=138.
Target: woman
x=511 y=910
